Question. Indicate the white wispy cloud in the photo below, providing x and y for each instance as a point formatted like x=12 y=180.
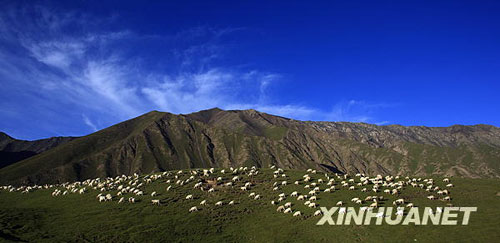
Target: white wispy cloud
x=86 y=70
x=356 y=111
x=89 y=123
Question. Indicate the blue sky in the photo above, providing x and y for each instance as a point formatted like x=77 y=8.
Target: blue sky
x=74 y=67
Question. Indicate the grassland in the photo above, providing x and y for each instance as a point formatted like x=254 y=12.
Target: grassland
x=39 y=217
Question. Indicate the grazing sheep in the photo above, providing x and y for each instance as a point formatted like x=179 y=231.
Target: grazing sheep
x=339 y=203
x=257 y=197
x=312 y=205
x=121 y=200
x=211 y=190
x=131 y=200
x=280 y=209
x=189 y=197
x=288 y=210
x=219 y=203
x=318 y=213
x=231 y=203
x=193 y=209
x=203 y=202
x=288 y=204
x=296 y=214
x=313 y=198
x=439 y=210
x=399 y=201
x=155 y=202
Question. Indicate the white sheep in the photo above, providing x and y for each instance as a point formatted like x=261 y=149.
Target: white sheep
x=400 y=211
x=155 y=202
x=189 y=197
x=296 y=214
x=193 y=209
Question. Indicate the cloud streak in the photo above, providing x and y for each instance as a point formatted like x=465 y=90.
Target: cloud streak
x=63 y=74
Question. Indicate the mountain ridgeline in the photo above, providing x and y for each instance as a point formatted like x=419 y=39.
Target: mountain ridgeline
x=13 y=150
x=159 y=141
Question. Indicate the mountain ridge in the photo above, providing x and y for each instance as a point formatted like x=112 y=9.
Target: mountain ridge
x=13 y=150
x=159 y=141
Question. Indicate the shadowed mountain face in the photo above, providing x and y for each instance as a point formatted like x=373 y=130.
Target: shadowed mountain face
x=13 y=150
x=159 y=141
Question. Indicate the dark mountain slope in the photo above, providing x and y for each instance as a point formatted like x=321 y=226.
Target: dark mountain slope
x=160 y=141
x=13 y=150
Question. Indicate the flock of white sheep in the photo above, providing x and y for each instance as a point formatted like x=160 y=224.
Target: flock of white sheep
x=133 y=188
x=392 y=185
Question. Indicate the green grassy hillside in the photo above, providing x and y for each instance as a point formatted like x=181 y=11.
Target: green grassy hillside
x=38 y=216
